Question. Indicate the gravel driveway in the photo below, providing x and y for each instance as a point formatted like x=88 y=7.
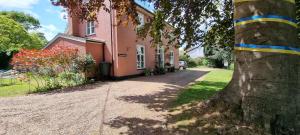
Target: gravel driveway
x=135 y=106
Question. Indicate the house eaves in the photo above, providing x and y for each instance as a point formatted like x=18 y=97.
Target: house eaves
x=73 y=38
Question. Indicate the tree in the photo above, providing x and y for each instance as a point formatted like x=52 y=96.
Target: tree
x=265 y=86
x=38 y=40
x=17 y=31
x=266 y=81
x=29 y=22
x=13 y=35
x=218 y=41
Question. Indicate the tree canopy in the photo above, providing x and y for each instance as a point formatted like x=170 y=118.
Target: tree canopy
x=189 y=18
x=29 y=22
x=19 y=30
x=12 y=35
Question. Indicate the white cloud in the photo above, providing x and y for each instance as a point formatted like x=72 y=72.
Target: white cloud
x=49 y=30
x=61 y=14
x=35 y=15
x=21 y=4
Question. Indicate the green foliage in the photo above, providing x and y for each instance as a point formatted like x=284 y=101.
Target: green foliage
x=83 y=63
x=219 y=40
x=14 y=87
x=38 y=40
x=190 y=62
x=213 y=82
x=208 y=62
x=28 y=22
x=13 y=36
x=147 y=72
x=71 y=78
x=159 y=71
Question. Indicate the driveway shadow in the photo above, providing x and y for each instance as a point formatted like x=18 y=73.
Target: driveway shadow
x=157 y=102
x=137 y=126
x=174 y=82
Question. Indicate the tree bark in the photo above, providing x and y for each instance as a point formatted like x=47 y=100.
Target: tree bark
x=266 y=85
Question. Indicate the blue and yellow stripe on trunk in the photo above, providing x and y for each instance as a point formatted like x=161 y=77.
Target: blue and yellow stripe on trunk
x=240 y=1
x=267 y=48
x=266 y=18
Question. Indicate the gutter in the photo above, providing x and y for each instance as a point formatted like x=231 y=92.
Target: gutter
x=111 y=40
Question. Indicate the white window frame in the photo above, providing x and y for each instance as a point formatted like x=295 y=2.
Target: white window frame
x=172 y=58
x=141 y=18
x=90 y=28
x=139 y=54
x=161 y=53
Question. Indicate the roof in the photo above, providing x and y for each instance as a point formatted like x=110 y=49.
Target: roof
x=74 y=38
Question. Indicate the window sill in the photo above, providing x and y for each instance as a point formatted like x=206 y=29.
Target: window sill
x=141 y=69
x=87 y=35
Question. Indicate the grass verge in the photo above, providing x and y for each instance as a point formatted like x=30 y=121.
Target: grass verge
x=213 y=82
x=14 y=87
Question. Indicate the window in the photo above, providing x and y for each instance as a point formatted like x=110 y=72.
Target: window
x=172 y=58
x=161 y=56
x=141 y=18
x=140 y=57
x=90 y=28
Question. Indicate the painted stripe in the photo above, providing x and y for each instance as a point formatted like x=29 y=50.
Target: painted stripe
x=266 y=18
x=240 y=1
x=267 y=48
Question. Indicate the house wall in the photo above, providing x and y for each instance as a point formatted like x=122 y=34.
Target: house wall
x=121 y=46
x=69 y=43
x=96 y=50
x=102 y=27
x=127 y=42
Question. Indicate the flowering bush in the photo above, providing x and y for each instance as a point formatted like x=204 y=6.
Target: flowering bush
x=55 y=58
x=53 y=68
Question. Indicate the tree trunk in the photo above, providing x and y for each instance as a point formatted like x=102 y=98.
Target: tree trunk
x=266 y=82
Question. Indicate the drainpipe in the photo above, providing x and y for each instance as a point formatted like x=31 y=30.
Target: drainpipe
x=103 y=52
x=111 y=40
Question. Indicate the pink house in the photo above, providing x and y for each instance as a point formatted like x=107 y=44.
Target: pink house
x=116 y=44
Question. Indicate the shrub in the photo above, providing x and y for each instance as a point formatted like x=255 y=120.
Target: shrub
x=159 y=71
x=208 y=62
x=71 y=78
x=54 y=68
x=192 y=63
x=147 y=72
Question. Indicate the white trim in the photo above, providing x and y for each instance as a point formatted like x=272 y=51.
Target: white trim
x=144 y=56
x=172 y=58
x=161 y=53
x=163 y=56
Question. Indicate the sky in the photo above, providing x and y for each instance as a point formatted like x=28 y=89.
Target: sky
x=51 y=17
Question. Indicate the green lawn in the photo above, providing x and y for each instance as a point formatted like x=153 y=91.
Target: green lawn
x=13 y=87
x=213 y=82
